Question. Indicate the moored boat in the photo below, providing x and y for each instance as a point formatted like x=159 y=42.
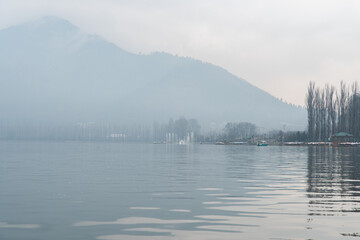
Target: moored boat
x=262 y=144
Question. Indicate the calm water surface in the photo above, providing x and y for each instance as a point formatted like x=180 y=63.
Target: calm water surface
x=112 y=191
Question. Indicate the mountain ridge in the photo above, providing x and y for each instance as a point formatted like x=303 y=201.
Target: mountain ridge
x=60 y=74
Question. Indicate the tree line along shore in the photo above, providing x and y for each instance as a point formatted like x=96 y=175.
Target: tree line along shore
x=332 y=119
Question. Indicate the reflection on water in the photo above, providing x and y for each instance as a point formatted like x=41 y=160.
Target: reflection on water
x=334 y=188
x=137 y=191
x=334 y=173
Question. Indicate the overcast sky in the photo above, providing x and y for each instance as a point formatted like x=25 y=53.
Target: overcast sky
x=277 y=45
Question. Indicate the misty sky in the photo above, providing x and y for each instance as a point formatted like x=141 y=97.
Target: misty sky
x=277 y=45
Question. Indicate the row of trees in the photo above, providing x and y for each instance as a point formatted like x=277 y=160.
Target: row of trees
x=84 y=131
x=176 y=130
x=331 y=111
x=172 y=131
x=240 y=130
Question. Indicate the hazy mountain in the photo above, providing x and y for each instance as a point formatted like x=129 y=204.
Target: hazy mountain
x=51 y=71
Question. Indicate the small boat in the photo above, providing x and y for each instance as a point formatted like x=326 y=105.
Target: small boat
x=262 y=144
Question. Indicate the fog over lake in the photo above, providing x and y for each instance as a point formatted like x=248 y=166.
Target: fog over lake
x=102 y=142
x=52 y=73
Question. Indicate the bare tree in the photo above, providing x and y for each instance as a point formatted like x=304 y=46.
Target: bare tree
x=317 y=115
x=310 y=102
x=323 y=115
x=342 y=102
x=353 y=111
x=331 y=108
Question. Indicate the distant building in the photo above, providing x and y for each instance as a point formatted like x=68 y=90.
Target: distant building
x=341 y=137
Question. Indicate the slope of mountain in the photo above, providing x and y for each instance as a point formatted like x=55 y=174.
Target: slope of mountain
x=51 y=71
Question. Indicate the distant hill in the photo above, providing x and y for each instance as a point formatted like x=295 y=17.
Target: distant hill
x=50 y=71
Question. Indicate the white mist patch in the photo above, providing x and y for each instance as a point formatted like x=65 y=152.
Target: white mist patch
x=179 y=210
x=178 y=235
x=209 y=189
x=167 y=193
x=215 y=202
x=145 y=208
x=229 y=228
x=131 y=237
x=217 y=194
x=133 y=220
x=20 y=226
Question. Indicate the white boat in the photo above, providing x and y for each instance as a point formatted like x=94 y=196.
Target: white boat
x=262 y=144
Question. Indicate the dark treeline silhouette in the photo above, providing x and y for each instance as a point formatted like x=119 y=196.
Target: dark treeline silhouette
x=83 y=131
x=288 y=136
x=173 y=131
x=241 y=130
x=331 y=111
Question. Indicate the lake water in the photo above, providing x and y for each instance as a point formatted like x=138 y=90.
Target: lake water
x=111 y=191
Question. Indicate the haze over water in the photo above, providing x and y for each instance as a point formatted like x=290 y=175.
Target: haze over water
x=103 y=190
